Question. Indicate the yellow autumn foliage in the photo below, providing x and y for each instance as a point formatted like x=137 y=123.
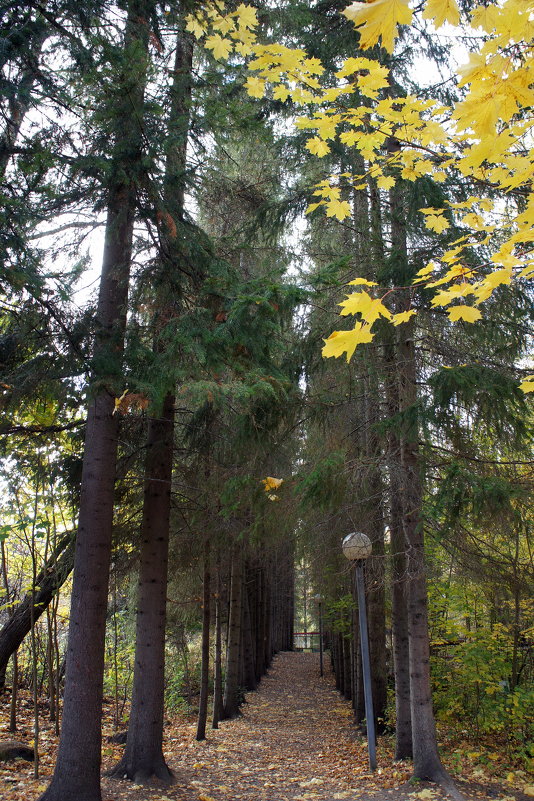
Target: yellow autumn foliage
x=485 y=138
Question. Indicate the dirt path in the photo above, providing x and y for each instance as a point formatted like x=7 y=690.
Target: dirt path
x=294 y=742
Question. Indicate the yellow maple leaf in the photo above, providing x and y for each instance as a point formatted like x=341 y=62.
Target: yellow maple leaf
x=271 y=483
x=338 y=209
x=474 y=220
x=437 y=223
x=313 y=206
x=362 y=303
x=195 y=26
x=528 y=386
x=498 y=277
x=246 y=16
x=485 y=17
x=255 y=87
x=317 y=146
x=340 y=342
x=223 y=24
x=402 y=317
x=385 y=182
x=378 y=20
x=442 y=11
x=220 y=47
x=350 y=137
x=425 y=273
x=466 y=313
x=362 y=282
x=280 y=92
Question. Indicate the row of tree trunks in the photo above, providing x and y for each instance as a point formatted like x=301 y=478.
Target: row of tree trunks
x=259 y=623
x=143 y=757
x=399 y=452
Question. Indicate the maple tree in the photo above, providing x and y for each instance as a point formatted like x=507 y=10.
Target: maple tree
x=485 y=138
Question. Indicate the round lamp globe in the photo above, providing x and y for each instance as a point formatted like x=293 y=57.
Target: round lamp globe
x=357 y=546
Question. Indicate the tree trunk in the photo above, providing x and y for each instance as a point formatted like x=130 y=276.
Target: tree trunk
x=143 y=757
x=347 y=672
x=204 y=676
x=427 y=763
x=232 y=699
x=217 y=668
x=249 y=662
x=77 y=772
x=20 y=102
x=260 y=622
x=399 y=544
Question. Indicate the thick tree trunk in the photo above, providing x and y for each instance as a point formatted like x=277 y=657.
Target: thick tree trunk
x=232 y=699
x=427 y=764
x=399 y=588
x=49 y=580
x=399 y=544
x=77 y=773
x=204 y=674
x=143 y=757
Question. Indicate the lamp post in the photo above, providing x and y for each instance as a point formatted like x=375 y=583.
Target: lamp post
x=357 y=547
x=319 y=600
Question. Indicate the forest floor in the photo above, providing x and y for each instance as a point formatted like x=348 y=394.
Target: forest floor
x=295 y=741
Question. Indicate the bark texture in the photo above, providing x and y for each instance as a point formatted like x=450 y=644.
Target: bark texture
x=143 y=757
x=399 y=591
x=206 y=617
x=232 y=699
x=77 y=772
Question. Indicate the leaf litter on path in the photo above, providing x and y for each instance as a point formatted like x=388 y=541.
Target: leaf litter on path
x=295 y=741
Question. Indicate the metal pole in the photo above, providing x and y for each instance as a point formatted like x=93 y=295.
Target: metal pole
x=366 y=665
x=321 y=637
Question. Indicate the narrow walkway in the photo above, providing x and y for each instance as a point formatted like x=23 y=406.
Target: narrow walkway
x=294 y=742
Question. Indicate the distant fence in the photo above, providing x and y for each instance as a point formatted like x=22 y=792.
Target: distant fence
x=306 y=641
